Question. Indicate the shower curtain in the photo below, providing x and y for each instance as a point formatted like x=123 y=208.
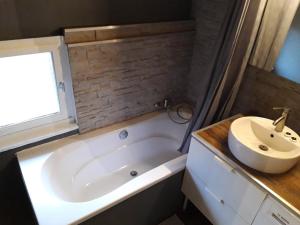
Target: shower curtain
x=224 y=69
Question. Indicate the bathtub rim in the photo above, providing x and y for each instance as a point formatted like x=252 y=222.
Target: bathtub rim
x=44 y=213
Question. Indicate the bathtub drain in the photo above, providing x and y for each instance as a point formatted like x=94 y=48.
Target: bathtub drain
x=123 y=134
x=263 y=147
x=133 y=173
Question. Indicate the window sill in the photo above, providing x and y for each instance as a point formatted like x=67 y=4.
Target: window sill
x=33 y=135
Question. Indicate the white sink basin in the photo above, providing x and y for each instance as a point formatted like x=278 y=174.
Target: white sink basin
x=254 y=142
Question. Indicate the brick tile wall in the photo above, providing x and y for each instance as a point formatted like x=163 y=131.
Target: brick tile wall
x=209 y=16
x=119 y=79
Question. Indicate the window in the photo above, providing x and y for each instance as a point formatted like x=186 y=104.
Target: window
x=33 y=84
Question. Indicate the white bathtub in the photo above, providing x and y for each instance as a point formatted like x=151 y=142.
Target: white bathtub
x=75 y=178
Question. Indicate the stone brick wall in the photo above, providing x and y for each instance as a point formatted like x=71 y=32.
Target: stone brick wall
x=209 y=16
x=119 y=79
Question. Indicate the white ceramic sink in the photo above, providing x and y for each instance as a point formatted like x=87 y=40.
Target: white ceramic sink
x=254 y=142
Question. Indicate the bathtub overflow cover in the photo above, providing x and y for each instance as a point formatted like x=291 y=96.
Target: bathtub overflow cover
x=133 y=173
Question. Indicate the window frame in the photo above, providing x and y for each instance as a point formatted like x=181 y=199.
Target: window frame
x=58 y=50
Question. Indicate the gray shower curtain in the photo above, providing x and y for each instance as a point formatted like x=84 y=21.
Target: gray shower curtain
x=211 y=106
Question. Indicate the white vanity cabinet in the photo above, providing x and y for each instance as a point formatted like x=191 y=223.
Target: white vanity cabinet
x=227 y=197
x=273 y=213
x=223 y=195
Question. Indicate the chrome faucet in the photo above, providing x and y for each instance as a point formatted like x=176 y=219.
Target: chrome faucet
x=280 y=122
x=164 y=104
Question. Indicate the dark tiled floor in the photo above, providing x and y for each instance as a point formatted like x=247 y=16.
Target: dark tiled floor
x=173 y=220
x=192 y=216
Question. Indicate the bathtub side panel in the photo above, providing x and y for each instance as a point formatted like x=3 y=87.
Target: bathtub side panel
x=149 y=207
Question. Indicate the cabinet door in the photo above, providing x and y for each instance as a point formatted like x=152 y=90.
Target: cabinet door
x=273 y=213
x=238 y=192
x=235 y=190
x=209 y=203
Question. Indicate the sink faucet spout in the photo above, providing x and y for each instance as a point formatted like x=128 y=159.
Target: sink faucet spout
x=281 y=121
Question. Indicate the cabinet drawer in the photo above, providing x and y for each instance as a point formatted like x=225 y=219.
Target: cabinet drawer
x=199 y=160
x=273 y=213
x=235 y=190
x=209 y=203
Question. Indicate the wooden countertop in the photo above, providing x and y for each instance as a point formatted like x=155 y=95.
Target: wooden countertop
x=285 y=187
